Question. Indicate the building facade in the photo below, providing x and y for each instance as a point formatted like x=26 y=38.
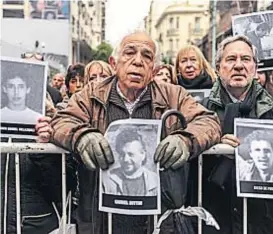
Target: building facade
x=225 y=11
x=88 y=28
x=85 y=24
x=179 y=24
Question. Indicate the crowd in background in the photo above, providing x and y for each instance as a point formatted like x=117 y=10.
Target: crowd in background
x=191 y=70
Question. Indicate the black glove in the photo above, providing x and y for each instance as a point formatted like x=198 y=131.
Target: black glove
x=95 y=151
x=172 y=152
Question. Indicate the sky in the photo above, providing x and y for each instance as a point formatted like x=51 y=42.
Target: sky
x=123 y=16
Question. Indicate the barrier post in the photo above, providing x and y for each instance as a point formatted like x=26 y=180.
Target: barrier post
x=245 y=216
x=200 y=189
x=64 y=218
x=17 y=191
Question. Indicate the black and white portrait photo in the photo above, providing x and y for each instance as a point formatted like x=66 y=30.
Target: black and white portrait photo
x=23 y=90
x=258 y=27
x=254 y=158
x=199 y=94
x=131 y=184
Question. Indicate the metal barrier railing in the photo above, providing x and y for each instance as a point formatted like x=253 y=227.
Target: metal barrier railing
x=48 y=148
x=45 y=148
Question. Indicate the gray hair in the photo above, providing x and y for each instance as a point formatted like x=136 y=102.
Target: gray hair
x=117 y=49
x=228 y=40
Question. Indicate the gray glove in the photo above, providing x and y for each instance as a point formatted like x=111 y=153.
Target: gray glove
x=172 y=152
x=95 y=151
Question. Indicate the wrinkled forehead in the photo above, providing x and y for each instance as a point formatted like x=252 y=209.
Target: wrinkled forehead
x=238 y=48
x=138 y=40
x=58 y=78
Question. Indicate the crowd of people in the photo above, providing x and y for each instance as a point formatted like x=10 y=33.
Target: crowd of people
x=134 y=84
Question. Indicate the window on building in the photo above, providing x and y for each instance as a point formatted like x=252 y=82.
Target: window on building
x=197 y=27
x=14 y=2
x=7 y=13
x=177 y=22
x=171 y=22
x=171 y=44
x=73 y=24
x=177 y=43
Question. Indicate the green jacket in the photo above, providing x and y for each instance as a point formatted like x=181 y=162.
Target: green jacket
x=263 y=107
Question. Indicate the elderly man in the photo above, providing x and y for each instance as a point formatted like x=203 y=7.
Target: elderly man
x=235 y=94
x=131 y=93
x=57 y=81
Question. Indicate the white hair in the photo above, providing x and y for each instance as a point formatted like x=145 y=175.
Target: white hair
x=231 y=39
x=117 y=49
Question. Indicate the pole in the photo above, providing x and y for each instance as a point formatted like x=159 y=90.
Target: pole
x=245 y=216
x=214 y=33
x=200 y=190
x=78 y=33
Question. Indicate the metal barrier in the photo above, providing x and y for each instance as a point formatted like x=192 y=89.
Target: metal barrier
x=47 y=148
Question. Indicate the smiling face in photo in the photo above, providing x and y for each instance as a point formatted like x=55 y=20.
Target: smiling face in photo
x=132 y=157
x=261 y=153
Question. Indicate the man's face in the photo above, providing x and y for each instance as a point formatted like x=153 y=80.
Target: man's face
x=262 y=154
x=237 y=67
x=134 y=68
x=16 y=90
x=132 y=157
x=57 y=81
x=76 y=84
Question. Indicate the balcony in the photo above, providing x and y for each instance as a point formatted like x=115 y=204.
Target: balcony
x=197 y=32
x=91 y=3
x=172 y=32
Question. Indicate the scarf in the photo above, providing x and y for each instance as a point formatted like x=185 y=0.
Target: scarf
x=236 y=110
x=225 y=167
x=203 y=81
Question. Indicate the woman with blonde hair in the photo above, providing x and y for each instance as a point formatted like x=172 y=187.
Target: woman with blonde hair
x=192 y=69
x=97 y=69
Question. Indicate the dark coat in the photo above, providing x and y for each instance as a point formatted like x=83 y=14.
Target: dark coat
x=55 y=94
x=40 y=180
x=223 y=203
x=88 y=110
